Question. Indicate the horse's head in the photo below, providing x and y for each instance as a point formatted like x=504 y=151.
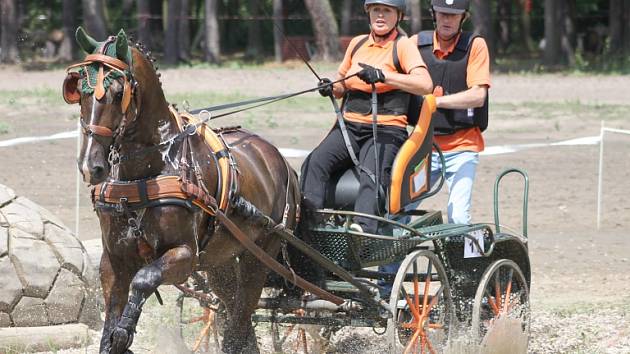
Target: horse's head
x=107 y=86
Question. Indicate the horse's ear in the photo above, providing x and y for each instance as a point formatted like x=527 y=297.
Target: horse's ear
x=122 y=46
x=87 y=43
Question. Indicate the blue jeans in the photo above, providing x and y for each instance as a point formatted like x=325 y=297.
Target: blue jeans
x=460 y=169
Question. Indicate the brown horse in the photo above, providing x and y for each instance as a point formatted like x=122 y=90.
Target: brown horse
x=132 y=139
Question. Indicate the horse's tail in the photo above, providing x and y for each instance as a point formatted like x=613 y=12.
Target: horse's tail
x=294 y=197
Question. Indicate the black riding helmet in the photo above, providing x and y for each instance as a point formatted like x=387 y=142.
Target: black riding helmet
x=401 y=5
x=456 y=7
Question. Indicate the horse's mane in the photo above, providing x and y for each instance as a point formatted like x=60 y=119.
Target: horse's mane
x=148 y=55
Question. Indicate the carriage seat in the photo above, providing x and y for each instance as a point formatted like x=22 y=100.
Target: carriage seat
x=411 y=170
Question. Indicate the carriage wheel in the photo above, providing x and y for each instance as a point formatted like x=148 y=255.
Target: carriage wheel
x=422 y=306
x=501 y=314
x=299 y=338
x=198 y=318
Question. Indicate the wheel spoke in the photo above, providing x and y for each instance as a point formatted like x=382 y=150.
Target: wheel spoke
x=508 y=292
x=430 y=346
x=412 y=345
x=427 y=284
x=495 y=308
x=416 y=286
x=413 y=308
x=497 y=288
x=435 y=299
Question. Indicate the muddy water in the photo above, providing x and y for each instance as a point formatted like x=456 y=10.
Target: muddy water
x=504 y=336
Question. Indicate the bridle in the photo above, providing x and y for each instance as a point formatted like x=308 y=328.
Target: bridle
x=106 y=136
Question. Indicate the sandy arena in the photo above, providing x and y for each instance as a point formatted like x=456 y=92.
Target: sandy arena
x=581 y=275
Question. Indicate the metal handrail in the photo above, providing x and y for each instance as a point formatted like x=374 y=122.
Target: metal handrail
x=497 y=225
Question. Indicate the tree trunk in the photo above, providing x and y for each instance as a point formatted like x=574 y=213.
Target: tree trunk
x=278 y=29
x=552 y=33
x=68 y=45
x=94 y=19
x=144 y=22
x=526 y=24
x=616 y=26
x=172 y=33
x=254 y=45
x=213 y=40
x=568 y=36
x=504 y=15
x=325 y=28
x=127 y=10
x=346 y=17
x=414 y=12
x=8 y=31
x=183 y=29
x=150 y=27
x=482 y=20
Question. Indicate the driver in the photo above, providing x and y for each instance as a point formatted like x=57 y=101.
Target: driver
x=372 y=57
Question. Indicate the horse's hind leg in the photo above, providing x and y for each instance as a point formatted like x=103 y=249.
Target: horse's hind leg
x=172 y=268
x=239 y=286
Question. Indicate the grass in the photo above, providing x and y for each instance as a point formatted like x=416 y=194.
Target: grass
x=4 y=128
x=38 y=97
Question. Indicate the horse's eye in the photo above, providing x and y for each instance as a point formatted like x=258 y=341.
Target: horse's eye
x=119 y=96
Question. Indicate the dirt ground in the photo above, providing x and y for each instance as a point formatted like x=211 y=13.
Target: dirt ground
x=580 y=274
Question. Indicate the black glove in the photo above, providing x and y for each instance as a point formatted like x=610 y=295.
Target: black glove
x=325 y=87
x=370 y=74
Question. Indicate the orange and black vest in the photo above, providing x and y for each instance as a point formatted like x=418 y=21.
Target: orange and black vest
x=393 y=102
x=451 y=73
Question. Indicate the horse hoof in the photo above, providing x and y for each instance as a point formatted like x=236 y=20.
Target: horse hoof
x=121 y=341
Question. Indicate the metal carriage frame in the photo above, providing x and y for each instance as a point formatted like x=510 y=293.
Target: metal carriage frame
x=473 y=292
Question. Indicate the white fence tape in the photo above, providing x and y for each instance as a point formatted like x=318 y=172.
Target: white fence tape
x=299 y=153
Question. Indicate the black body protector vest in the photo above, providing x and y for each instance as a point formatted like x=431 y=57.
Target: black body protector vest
x=450 y=73
x=393 y=102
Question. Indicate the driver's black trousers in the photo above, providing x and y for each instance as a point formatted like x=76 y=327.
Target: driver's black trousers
x=331 y=156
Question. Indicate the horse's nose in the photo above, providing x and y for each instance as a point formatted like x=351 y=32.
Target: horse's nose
x=98 y=172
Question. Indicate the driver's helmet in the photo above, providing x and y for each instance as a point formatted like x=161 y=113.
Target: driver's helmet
x=456 y=7
x=401 y=5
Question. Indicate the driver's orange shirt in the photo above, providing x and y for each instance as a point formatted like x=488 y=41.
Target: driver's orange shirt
x=378 y=55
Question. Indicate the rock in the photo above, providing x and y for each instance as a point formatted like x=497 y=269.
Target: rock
x=65 y=299
x=4 y=240
x=46 y=276
x=37 y=273
x=30 y=312
x=5 y=320
x=23 y=218
x=6 y=195
x=46 y=215
x=10 y=285
x=68 y=249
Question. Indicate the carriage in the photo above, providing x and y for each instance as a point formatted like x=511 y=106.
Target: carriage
x=455 y=282
x=178 y=199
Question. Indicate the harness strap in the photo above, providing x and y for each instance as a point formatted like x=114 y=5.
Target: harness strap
x=272 y=264
x=96 y=130
x=109 y=61
x=346 y=140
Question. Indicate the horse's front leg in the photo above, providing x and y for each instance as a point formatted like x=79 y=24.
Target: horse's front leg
x=172 y=268
x=115 y=285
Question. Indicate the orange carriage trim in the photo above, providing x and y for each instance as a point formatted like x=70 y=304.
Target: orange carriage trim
x=404 y=156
